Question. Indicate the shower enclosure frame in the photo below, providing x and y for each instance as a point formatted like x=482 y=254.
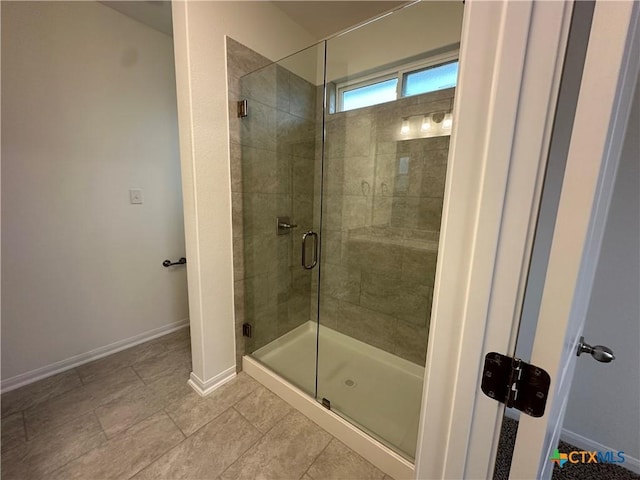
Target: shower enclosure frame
x=511 y=59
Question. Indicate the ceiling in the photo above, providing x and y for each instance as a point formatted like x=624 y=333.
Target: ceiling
x=320 y=19
x=154 y=14
x=323 y=19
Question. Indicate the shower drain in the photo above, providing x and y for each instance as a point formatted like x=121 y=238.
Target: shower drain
x=349 y=383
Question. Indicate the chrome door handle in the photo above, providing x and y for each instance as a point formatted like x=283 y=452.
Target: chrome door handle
x=600 y=353
x=304 y=249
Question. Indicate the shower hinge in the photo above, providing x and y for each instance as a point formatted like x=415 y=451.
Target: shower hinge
x=243 y=108
x=247 y=330
x=326 y=403
x=515 y=383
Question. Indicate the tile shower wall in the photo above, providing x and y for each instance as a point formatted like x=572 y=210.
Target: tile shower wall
x=381 y=220
x=272 y=174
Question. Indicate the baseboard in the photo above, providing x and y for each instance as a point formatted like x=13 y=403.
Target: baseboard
x=203 y=388
x=587 y=444
x=77 y=360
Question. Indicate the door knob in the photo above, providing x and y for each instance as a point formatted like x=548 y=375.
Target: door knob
x=599 y=352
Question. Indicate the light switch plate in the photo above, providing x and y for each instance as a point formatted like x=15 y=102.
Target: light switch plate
x=135 y=196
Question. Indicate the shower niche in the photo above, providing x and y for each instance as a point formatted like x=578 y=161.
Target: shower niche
x=349 y=141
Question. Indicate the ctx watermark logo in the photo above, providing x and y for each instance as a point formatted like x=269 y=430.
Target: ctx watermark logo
x=581 y=456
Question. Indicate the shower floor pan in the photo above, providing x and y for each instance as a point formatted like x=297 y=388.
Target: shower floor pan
x=374 y=390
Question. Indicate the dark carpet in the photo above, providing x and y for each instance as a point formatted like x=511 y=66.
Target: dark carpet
x=577 y=471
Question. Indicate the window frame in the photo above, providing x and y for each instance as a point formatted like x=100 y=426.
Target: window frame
x=399 y=71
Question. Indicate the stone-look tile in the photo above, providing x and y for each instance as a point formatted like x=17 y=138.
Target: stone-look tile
x=39 y=392
x=235 y=158
x=237 y=214
x=404 y=300
x=263 y=409
x=265 y=171
x=238 y=259
x=193 y=411
x=44 y=454
x=259 y=212
x=303 y=97
x=63 y=408
x=306 y=477
x=367 y=325
x=258 y=128
x=103 y=367
x=173 y=386
x=341 y=283
x=348 y=137
x=207 y=453
x=242 y=60
x=164 y=363
x=356 y=211
x=387 y=477
x=419 y=265
x=411 y=342
x=268 y=85
x=278 y=454
x=329 y=311
x=338 y=462
x=374 y=255
x=178 y=340
x=123 y=412
x=127 y=453
x=13 y=433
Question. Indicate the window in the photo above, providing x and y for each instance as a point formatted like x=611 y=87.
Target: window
x=430 y=79
x=431 y=75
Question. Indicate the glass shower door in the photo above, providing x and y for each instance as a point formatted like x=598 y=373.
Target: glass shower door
x=280 y=144
x=386 y=150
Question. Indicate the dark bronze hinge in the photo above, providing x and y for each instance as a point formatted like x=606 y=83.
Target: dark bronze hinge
x=515 y=383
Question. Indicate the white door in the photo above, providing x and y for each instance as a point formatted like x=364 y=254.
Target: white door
x=609 y=78
x=515 y=51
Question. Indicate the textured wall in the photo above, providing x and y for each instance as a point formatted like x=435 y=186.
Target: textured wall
x=88 y=111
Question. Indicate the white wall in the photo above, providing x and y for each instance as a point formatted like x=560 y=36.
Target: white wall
x=88 y=111
x=604 y=404
x=199 y=32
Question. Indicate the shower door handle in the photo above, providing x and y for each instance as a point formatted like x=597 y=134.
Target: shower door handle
x=304 y=250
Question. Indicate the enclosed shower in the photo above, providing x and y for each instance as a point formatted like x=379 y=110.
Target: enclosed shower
x=338 y=164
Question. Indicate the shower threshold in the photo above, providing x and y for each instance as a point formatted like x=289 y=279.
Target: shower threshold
x=375 y=396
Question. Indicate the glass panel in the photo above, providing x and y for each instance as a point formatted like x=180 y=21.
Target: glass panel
x=373 y=94
x=384 y=176
x=431 y=79
x=279 y=143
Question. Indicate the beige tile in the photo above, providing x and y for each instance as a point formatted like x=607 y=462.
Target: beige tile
x=103 y=367
x=338 y=462
x=286 y=451
x=127 y=453
x=419 y=265
x=193 y=411
x=44 y=454
x=387 y=477
x=63 y=408
x=371 y=255
x=13 y=433
x=369 y=326
x=207 y=453
x=178 y=340
x=125 y=411
x=173 y=386
x=306 y=477
x=263 y=409
x=411 y=342
x=341 y=283
x=404 y=300
x=163 y=363
x=38 y=392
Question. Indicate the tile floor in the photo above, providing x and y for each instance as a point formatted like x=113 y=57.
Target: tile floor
x=132 y=415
